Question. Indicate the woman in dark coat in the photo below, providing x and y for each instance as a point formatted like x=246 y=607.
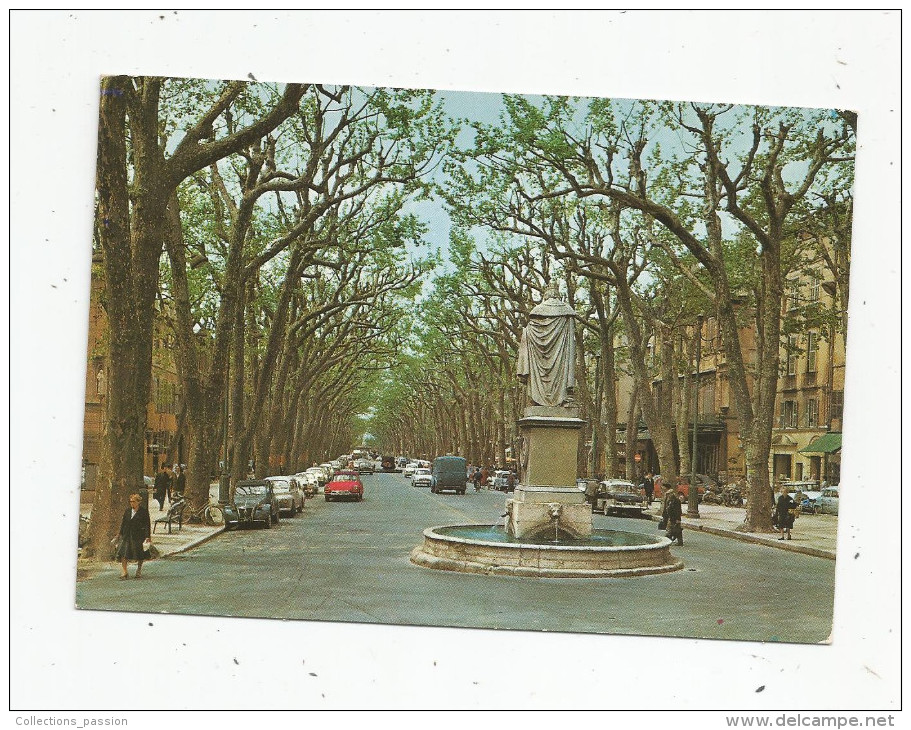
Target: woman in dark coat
x=783 y=515
x=135 y=528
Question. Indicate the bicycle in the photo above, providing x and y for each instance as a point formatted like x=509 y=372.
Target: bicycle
x=209 y=514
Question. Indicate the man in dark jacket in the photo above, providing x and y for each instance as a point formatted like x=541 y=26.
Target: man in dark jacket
x=673 y=513
x=649 y=485
x=180 y=481
x=162 y=485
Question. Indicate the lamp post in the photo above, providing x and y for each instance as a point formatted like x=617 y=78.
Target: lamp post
x=596 y=421
x=224 y=481
x=692 y=509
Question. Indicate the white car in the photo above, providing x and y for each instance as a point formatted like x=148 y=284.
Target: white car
x=329 y=469
x=827 y=502
x=364 y=466
x=619 y=496
x=422 y=478
x=288 y=496
x=320 y=475
x=409 y=469
x=308 y=482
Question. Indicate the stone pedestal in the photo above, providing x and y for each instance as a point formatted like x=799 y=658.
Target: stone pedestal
x=547 y=494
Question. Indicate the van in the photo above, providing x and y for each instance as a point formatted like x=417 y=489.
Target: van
x=449 y=472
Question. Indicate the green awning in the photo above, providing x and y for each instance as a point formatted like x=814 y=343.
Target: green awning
x=828 y=443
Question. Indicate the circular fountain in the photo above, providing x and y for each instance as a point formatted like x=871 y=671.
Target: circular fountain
x=490 y=549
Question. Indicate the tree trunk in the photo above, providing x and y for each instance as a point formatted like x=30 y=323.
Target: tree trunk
x=131 y=249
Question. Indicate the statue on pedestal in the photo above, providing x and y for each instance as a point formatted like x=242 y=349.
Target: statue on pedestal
x=547 y=352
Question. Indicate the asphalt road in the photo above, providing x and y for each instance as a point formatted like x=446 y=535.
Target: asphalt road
x=349 y=561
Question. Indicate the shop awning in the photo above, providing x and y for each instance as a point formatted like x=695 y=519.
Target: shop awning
x=828 y=443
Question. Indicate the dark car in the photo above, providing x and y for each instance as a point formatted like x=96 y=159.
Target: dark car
x=254 y=501
x=388 y=463
x=449 y=473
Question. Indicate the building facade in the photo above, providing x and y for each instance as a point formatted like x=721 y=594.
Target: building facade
x=806 y=438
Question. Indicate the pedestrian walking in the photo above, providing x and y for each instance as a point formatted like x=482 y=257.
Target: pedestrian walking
x=784 y=512
x=673 y=514
x=649 y=484
x=135 y=530
x=162 y=485
x=476 y=478
x=180 y=481
x=484 y=474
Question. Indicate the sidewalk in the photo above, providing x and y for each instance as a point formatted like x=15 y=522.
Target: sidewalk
x=812 y=534
x=167 y=544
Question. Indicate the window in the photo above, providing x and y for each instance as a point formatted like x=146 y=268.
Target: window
x=707 y=396
x=792 y=355
x=838 y=403
x=788 y=417
x=814 y=289
x=812 y=347
x=792 y=294
x=812 y=413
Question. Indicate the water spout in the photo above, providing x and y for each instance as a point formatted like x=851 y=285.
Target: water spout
x=556 y=509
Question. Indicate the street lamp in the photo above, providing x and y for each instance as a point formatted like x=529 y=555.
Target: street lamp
x=692 y=508
x=224 y=480
x=597 y=419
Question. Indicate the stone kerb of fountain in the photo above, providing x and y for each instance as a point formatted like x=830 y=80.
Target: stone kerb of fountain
x=489 y=550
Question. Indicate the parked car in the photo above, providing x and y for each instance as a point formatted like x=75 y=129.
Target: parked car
x=422 y=478
x=344 y=485
x=449 y=473
x=307 y=482
x=254 y=501
x=827 y=503
x=703 y=482
x=805 y=494
x=365 y=466
x=619 y=496
x=320 y=475
x=500 y=480
x=288 y=495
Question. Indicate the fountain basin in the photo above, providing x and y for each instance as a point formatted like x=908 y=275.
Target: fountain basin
x=488 y=549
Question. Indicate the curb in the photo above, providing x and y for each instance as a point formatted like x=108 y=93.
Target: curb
x=756 y=539
x=194 y=543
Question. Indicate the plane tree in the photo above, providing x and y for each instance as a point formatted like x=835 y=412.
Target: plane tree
x=330 y=183
x=139 y=167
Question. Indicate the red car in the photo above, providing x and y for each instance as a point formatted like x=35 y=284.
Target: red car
x=344 y=485
x=683 y=487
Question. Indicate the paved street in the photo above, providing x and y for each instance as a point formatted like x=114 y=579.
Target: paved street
x=350 y=562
